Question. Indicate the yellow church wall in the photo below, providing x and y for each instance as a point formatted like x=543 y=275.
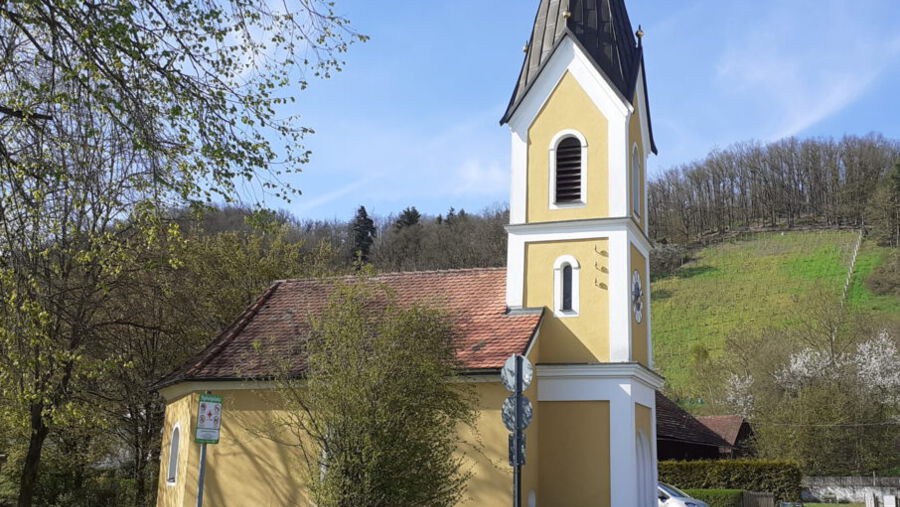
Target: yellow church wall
x=178 y=412
x=248 y=469
x=568 y=108
x=243 y=468
x=642 y=420
x=486 y=450
x=639 y=341
x=578 y=339
x=575 y=453
x=636 y=137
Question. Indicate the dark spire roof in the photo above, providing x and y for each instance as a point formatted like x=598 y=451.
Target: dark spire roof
x=600 y=27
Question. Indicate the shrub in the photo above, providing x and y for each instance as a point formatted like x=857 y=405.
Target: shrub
x=885 y=279
x=665 y=258
x=782 y=478
x=718 y=497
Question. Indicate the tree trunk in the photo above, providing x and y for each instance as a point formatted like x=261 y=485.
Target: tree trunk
x=39 y=432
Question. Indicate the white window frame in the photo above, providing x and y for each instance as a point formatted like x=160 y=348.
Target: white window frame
x=566 y=260
x=636 y=169
x=554 y=143
x=174 y=455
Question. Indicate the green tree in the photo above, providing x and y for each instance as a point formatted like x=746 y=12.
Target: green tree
x=363 y=234
x=186 y=294
x=110 y=112
x=376 y=414
x=196 y=86
x=824 y=395
x=408 y=218
x=883 y=213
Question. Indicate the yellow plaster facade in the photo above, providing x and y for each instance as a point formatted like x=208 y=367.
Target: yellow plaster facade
x=578 y=338
x=249 y=469
x=636 y=138
x=575 y=452
x=639 y=339
x=568 y=108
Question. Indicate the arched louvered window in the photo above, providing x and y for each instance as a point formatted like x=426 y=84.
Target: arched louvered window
x=568 y=171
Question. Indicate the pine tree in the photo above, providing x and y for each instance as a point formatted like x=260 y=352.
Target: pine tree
x=408 y=218
x=363 y=231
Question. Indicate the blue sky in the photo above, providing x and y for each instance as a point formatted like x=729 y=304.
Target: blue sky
x=413 y=119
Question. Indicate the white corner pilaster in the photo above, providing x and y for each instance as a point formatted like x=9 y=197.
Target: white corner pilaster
x=519 y=178
x=515 y=271
x=619 y=307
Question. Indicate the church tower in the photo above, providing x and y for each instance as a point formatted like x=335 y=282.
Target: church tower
x=578 y=247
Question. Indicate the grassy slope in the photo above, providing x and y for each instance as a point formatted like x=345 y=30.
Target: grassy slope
x=860 y=298
x=747 y=284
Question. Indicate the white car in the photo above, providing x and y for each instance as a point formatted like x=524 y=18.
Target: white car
x=670 y=496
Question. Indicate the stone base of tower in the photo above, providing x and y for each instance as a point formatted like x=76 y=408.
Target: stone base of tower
x=596 y=437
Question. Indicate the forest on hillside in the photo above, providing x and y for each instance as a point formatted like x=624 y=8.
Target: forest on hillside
x=852 y=182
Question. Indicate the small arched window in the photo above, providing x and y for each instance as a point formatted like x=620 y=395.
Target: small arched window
x=565 y=282
x=636 y=181
x=567 y=288
x=172 y=470
x=568 y=171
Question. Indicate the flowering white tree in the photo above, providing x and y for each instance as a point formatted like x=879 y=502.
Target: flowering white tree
x=877 y=364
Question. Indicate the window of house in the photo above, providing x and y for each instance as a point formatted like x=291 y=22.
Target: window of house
x=172 y=470
x=568 y=171
x=636 y=181
x=565 y=281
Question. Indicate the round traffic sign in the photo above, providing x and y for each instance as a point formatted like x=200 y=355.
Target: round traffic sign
x=508 y=373
x=509 y=412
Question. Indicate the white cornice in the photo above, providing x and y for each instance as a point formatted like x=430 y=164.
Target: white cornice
x=624 y=371
x=592 y=225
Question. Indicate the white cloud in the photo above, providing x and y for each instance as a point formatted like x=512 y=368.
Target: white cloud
x=477 y=177
x=305 y=206
x=805 y=61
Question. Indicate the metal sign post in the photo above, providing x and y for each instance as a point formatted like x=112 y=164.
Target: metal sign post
x=202 y=476
x=517 y=471
x=517 y=412
x=209 y=421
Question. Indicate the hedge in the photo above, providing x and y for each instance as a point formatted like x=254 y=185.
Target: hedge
x=718 y=497
x=782 y=478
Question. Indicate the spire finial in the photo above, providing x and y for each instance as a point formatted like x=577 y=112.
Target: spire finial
x=640 y=34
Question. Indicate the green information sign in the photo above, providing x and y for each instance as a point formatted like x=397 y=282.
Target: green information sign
x=209 y=419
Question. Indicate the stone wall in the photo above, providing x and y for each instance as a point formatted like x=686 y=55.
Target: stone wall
x=853 y=489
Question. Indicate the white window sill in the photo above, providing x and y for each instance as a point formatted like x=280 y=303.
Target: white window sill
x=564 y=314
x=568 y=205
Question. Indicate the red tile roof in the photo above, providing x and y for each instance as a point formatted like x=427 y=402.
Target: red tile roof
x=474 y=298
x=726 y=426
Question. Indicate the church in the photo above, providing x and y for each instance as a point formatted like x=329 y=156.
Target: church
x=573 y=298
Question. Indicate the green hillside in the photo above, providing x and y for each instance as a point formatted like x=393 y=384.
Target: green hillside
x=751 y=283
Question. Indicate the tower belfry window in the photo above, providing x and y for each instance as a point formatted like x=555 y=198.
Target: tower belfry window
x=568 y=171
x=566 y=288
